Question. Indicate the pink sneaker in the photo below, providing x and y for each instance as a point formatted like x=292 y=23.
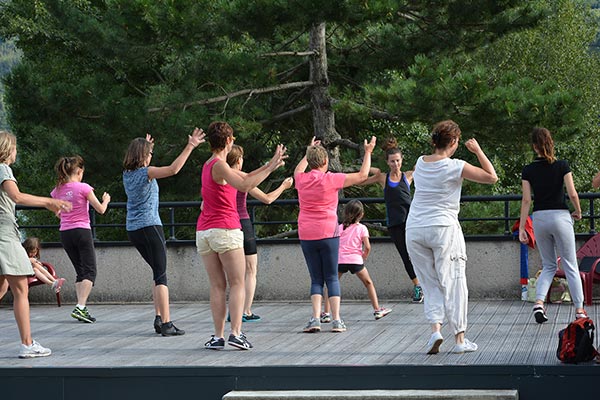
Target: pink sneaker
x=58 y=284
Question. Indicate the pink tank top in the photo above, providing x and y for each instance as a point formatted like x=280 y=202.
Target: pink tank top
x=219 y=203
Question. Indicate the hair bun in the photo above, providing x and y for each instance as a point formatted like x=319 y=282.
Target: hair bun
x=389 y=143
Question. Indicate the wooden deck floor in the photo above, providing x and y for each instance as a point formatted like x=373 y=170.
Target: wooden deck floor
x=123 y=337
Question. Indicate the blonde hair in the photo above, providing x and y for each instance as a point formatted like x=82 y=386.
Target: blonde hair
x=8 y=142
x=32 y=246
x=236 y=153
x=316 y=156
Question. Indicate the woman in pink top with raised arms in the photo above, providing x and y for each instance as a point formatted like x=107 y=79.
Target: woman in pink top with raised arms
x=318 y=225
x=75 y=230
x=219 y=237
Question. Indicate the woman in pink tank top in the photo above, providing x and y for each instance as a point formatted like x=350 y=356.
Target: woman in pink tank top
x=219 y=237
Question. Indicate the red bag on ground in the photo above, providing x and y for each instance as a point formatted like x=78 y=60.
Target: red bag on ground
x=576 y=342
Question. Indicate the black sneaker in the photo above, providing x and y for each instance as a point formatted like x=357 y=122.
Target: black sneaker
x=239 y=341
x=540 y=314
x=250 y=317
x=168 y=329
x=83 y=315
x=215 y=344
x=157 y=324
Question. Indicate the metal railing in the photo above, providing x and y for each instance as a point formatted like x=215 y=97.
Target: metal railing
x=500 y=214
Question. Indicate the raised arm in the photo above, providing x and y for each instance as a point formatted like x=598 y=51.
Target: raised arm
x=525 y=205
x=359 y=177
x=54 y=205
x=99 y=207
x=303 y=164
x=376 y=176
x=270 y=197
x=573 y=196
x=223 y=172
x=485 y=174
x=194 y=140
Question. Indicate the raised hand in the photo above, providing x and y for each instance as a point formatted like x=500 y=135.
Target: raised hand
x=314 y=141
x=105 y=197
x=278 y=158
x=370 y=146
x=288 y=182
x=473 y=146
x=197 y=137
x=149 y=138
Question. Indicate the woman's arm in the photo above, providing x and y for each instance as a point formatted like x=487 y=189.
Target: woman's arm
x=221 y=171
x=54 y=205
x=99 y=207
x=303 y=164
x=359 y=177
x=525 y=205
x=568 y=179
x=376 y=177
x=270 y=197
x=194 y=140
x=485 y=174
x=366 y=247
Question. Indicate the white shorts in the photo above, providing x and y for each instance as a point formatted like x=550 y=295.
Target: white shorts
x=217 y=240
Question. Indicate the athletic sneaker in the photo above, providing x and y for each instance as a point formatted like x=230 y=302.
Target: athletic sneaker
x=34 y=350
x=337 y=325
x=434 y=343
x=241 y=342
x=57 y=284
x=540 y=314
x=417 y=294
x=381 y=312
x=214 y=343
x=314 y=325
x=325 y=318
x=83 y=315
x=157 y=324
x=168 y=329
x=244 y=317
x=466 y=347
x=250 y=317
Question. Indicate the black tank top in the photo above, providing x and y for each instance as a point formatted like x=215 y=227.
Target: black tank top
x=397 y=201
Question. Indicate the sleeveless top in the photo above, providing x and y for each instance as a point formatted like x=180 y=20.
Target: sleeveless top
x=220 y=208
x=397 y=200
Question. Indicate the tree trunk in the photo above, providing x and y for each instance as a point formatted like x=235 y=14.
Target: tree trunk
x=322 y=110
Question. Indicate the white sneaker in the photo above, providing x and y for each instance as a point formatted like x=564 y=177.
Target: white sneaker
x=466 y=347
x=434 y=343
x=34 y=350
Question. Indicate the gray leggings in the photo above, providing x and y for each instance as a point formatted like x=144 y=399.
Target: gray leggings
x=554 y=232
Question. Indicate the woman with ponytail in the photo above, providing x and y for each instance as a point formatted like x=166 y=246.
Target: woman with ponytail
x=546 y=178
x=396 y=193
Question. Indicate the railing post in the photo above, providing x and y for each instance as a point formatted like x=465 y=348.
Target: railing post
x=592 y=217
x=506 y=218
x=93 y=223
x=172 y=223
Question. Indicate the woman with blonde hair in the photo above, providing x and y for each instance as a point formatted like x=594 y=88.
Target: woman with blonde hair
x=15 y=266
x=433 y=234
x=546 y=178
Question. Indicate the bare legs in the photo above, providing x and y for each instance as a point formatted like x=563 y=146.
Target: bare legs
x=20 y=290
x=160 y=297
x=222 y=268
x=83 y=290
x=250 y=285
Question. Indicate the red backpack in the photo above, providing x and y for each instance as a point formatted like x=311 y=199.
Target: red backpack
x=576 y=342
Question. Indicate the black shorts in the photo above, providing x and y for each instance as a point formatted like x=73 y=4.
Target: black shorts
x=249 y=237
x=352 y=268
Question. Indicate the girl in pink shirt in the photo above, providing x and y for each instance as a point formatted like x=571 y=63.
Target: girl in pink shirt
x=354 y=250
x=75 y=230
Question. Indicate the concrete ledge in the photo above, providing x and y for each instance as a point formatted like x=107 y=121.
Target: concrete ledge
x=453 y=394
x=123 y=276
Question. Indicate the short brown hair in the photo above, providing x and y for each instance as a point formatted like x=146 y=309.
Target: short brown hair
x=217 y=135
x=444 y=133
x=8 y=141
x=316 y=156
x=138 y=151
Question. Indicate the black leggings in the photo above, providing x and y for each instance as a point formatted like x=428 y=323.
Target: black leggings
x=79 y=245
x=398 y=235
x=150 y=243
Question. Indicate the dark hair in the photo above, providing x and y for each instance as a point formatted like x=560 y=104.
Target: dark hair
x=137 y=153
x=217 y=135
x=235 y=154
x=390 y=146
x=32 y=246
x=444 y=133
x=541 y=138
x=66 y=166
x=352 y=213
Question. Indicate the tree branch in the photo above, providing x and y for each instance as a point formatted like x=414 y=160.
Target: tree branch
x=287 y=114
x=291 y=53
x=243 y=92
